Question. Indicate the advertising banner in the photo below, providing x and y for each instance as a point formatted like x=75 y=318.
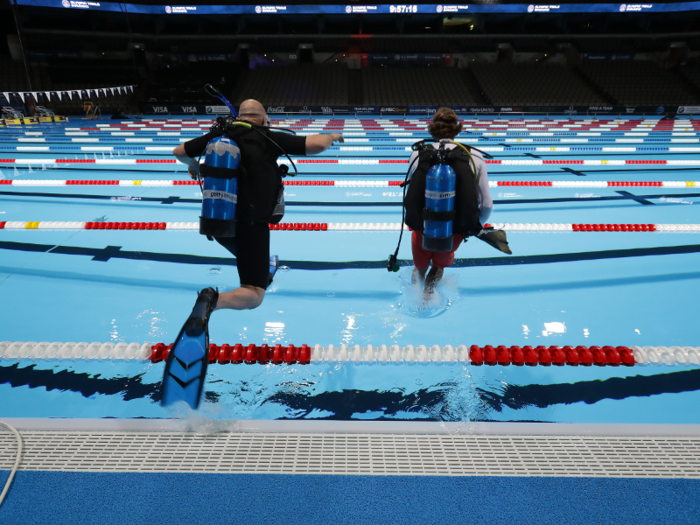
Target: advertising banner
x=607 y=56
x=402 y=59
x=207 y=57
x=422 y=111
x=383 y=9
x=688 y=110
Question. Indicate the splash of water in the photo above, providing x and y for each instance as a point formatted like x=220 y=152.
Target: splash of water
x=416 y=303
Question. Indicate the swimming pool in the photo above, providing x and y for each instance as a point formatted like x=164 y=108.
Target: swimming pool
x=564 y=286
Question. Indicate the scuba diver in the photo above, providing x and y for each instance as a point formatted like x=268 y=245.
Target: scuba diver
x=446 y=200
x=249 y=183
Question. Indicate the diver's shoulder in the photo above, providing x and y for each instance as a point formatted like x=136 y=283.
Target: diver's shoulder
x=476 y=154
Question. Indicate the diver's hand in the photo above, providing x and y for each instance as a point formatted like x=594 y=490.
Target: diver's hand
x=337 y=137
x=193 y=171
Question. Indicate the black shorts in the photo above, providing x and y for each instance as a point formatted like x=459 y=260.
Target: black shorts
x=251 y=247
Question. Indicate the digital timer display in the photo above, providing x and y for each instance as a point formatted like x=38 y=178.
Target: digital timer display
x=403 y=9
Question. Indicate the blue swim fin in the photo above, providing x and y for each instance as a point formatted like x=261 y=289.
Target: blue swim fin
x=186 y=367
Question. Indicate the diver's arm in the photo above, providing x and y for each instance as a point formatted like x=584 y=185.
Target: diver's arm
x=192 y=164
x=190 y=151
x=319 y=143
x=485 y=200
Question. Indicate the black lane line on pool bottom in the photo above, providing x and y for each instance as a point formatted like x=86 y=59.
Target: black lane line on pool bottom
x=115 y=252
x=622 y=195
x=342 y=405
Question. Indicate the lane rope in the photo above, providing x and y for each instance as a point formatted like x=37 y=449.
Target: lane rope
x=304 y=354
x=345 y=226
x=349 y=162
x=132 y=150
x=356 y=183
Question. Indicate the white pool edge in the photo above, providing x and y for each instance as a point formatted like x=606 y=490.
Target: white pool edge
x=354 y=427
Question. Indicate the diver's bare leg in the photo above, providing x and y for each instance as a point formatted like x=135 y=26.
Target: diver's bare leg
x=418 y=273
x=432 y=280
x=246 y=297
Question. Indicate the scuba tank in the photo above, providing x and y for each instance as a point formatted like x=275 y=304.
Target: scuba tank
x=220 y=188
x=439 y=211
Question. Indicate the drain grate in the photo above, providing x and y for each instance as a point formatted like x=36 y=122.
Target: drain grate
x=356 y=454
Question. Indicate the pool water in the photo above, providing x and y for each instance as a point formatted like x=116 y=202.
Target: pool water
x=559 y=287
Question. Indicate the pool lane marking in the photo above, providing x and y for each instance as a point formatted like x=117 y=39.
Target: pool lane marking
x=637 y=198
x=623 y=195
x=115 y=252
x=343 y=404
x=474 y=355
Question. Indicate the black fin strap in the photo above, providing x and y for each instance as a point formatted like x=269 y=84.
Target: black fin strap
x=219 y=173
x=430 y=215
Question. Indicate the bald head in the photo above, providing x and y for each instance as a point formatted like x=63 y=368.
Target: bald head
x=252 y=111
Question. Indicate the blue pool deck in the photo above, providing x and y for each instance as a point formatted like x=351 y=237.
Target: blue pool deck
x=92 y=425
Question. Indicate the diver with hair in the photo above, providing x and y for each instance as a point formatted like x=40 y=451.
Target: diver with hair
x=259 y=200
x=471 y=196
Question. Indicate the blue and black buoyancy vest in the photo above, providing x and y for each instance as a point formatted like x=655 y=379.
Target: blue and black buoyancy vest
x=466 y=216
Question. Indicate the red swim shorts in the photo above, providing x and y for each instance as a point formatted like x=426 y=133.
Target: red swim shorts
x=422 y=258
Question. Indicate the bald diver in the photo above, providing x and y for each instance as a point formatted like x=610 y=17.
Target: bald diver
x=242 y=194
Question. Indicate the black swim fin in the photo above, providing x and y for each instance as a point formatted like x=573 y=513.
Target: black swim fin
x=495 y=238
x=186 y=367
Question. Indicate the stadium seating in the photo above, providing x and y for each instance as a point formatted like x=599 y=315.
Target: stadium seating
x=295 y=86
x=533 y=84
x=691 y=73
x=45 y=78
x=415 y=86
x=13 y=77
x=638 y=82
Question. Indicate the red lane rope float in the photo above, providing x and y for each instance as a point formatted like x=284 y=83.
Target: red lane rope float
x=614 y=227
x=552 y=355
x=248 y=354
x=300 y=226
x=125 y=226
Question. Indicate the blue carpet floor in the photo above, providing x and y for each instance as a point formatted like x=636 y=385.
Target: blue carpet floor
x=85 y=498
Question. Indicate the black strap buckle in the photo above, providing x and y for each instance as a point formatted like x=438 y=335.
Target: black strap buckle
x=430 y=215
